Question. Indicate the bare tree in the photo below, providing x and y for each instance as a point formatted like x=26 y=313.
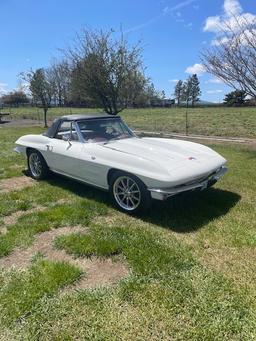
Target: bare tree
x=108 y=71
x=41 y=88
x=233 y=56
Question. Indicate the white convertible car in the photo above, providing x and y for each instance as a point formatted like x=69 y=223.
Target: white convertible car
x=102 y=151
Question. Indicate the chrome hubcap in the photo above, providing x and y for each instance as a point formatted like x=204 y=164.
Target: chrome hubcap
x=35 y=164
x=127 y=193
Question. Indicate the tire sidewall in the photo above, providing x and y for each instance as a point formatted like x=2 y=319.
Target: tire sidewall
x=146 y=199
x=44 y=172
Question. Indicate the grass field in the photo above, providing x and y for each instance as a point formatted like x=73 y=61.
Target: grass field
x=239 y=122
x=191 y=260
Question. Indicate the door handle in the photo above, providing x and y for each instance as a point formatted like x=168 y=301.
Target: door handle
x=49 y=148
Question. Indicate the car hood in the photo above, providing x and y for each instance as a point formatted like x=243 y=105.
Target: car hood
x=169 y=153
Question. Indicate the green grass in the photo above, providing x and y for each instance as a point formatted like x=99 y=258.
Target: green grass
x=22 y=233
x=23 y=291
x=219 y=121
x=191 y=260
x=11 y=163
x=87 y=245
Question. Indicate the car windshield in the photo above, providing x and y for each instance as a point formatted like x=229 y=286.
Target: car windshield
x=104 y=130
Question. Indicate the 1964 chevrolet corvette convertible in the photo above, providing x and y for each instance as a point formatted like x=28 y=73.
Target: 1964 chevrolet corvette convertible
x=102 y=151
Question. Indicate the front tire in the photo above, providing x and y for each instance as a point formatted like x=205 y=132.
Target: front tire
x=37 y=166
x=129 y=193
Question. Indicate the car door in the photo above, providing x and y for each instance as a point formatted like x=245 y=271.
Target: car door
x=92 y=166
x=63 y=151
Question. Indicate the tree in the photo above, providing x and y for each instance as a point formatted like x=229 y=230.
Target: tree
x=235 y=98
x=232 y=58
x=178 y=91
x=186 y=92
x=41 y=88
x=186 y=95
x=106 y=70
x=59 y=75
x=195 y=89
x=15 y=98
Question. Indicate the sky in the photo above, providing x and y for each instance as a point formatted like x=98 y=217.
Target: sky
x=172 y=34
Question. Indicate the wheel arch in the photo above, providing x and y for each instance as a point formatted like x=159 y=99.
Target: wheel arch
x=29 y=149
x=111 y=172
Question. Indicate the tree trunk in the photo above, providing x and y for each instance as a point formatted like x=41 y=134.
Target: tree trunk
x=45 y=118
x=187 y=119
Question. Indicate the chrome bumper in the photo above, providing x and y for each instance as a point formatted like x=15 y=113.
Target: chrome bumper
x=164 y=193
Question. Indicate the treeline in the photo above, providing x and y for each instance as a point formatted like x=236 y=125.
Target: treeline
x=187 y=91
x=100 y=70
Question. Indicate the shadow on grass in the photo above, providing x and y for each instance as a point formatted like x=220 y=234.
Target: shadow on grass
x=183 y=213
x=191 y=211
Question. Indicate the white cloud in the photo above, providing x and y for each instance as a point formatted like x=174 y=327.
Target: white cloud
x=232 y=18
x=3 y=88
x=173 y=80
x=214 y=81
x=212 y=92
x=196 y=68
x=232 y=7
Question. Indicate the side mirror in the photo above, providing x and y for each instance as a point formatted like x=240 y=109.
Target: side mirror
x=66 y=138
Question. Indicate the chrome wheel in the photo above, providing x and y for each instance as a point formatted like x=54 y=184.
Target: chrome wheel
x=127 y=193
x=35 y=165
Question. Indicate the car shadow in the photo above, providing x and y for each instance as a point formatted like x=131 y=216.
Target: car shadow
x=182 y=213
x=189 y=212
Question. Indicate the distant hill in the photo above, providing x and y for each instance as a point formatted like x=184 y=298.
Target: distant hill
x=201 y=103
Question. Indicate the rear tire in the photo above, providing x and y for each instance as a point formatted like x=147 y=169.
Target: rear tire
x=129 y=193
x=37 y=166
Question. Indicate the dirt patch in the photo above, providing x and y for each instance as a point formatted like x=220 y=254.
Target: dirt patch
x=97 y=272
x=17 y=123
x=16 y=183
x=12 y=219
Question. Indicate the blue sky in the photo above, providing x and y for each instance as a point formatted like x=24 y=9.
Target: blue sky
x=172 y=32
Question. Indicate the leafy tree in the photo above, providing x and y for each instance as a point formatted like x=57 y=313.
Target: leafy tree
x=15 y=98
x=163 y=95
x=235 y=98
x=178 y=91
x=107 y=70
x=186 y=93
x=59 y=75
x=195 y=89
x=41 y=88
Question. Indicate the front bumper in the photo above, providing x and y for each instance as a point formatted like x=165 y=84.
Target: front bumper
x=201 y=184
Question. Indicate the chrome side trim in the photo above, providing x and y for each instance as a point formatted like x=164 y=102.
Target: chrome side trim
x=163 y=193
